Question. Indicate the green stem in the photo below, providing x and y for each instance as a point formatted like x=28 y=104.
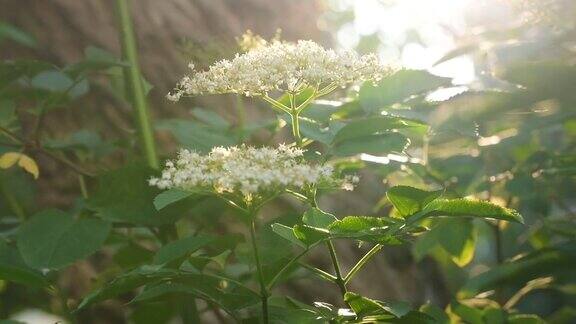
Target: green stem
x=263 y=291
x=276 y=104
x=82 y=183
x=362 y=262
x=284 y=268
x=136 y=84
x=498 y=243
x=241 y=109
x=319 y=272
x=339 y=280
x=296 y=128
x=294 y=116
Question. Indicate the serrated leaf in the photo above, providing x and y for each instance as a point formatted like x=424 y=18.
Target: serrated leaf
x=318 y=218
x=409 y=200
x=375 y=125
x=310 y=235
x=125 y=283
x=13 y=268
x=168 y=197
x=364 y=228
x=287 y=233
x=472 y=208
x=358 y=224
x=229 y=295
x=398 y=87
x=364 y=306
x=53 y=239
x=373 y=144
x=180 y=248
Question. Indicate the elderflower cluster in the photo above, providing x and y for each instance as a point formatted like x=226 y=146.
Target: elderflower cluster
x=245 y=170
x=282 y=66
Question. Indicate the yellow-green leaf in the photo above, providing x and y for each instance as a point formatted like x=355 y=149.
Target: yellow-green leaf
x=9 y=159
x=28 y=164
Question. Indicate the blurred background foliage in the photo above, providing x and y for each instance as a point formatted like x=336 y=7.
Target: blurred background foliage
x=488 y=93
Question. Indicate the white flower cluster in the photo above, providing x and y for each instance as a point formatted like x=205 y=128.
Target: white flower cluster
x=246 y=170
x=283 y=66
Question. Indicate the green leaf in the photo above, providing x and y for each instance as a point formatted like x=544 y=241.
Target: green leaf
x=95 y=59
x=287 y=233
x=85 y=143
x=467 y=313
x=168 y=197
x=363 y=306
x=7 y=112
x=53 y=239
x=525 y=319
x=398 y=87
x=180 y=248
x=372 y=144
x=59 y=82
x=472 y=208
x=228 y=294
x=540 y=263
x=13 y=268
x=132 y=255
x=457 y=238
x=438 y=314
x=376 y=125
x=409 y=200
x=318 y=218
x=194 y=135
x=310 y=235
x=124 y=195
x=364 y=228
x=14 y=70
x=359 y=224
x=211 y=118
x=126 y=283
x=17 y=35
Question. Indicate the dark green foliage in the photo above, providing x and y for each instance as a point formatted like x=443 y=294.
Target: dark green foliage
x=53 y=239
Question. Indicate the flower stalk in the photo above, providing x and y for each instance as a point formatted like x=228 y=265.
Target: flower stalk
x=136 y=86
x=264 y=294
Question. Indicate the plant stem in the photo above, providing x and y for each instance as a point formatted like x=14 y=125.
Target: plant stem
x=241 y=109
x=136 y=84
x=294 y=114
x=498 y=243
x=319 y=272
x=362 y=262
x=263 y=291
x=82 y=183
x=296 y=128
x=339 y=280
x=284 y=268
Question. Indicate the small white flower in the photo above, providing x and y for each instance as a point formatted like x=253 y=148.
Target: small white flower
x=283 y=66
x=244 y=170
